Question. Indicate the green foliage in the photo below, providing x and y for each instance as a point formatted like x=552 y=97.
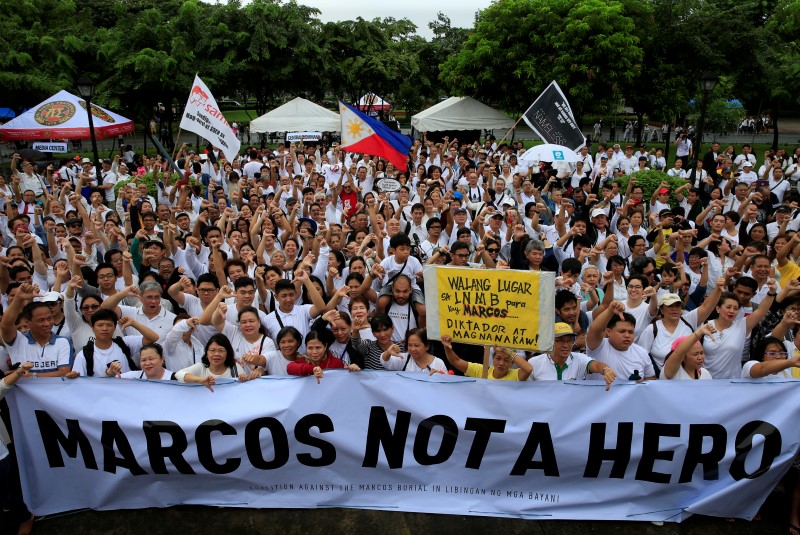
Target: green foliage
x=152 y=187
x=650 y=181
x=589 y=47
x=720 y=117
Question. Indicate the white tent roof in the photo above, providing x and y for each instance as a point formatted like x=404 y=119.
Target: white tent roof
x=298 y=115
x=460 y=113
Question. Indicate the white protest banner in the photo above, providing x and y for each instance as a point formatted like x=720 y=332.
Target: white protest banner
x=662 y=450
x=49 y=147
x=303 y=136
x=504 y=307
x=203 y=117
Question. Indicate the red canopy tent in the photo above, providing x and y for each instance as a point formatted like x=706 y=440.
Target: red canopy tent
x=373 y=102
x=64 y=116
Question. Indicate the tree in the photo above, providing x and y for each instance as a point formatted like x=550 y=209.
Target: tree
x=36 y=61
x=518 y=46
x=368 y=56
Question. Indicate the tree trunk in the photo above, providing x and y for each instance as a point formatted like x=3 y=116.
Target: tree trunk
x=639 y=127
x=775 y=134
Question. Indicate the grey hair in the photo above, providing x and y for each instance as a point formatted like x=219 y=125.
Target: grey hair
x=534 y=245
x=147 y=286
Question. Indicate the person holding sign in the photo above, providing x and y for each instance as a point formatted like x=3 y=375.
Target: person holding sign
x=564 y=364
x=418 y=359
x=503 y=359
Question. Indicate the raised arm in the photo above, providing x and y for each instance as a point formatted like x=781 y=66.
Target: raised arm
x=597 y=330
x=455 y=360
x=207 y=315
x=675 y=359
x=149 y=336
x=758 y=314
x=25 y=294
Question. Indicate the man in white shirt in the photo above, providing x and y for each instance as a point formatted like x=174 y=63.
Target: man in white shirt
x=109 y=181
x=152 y=315
x=562 y=364
x=746 y=156
x=610 y=340
x=289 y=313
x=49 y=353
x=747 y=175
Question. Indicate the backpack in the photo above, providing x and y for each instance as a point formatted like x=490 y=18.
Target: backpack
x=88 y=354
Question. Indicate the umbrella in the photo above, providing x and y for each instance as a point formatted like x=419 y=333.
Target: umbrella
x=550 y=153
x=32 y=154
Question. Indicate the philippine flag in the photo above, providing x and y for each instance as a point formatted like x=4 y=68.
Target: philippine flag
x=365 y=135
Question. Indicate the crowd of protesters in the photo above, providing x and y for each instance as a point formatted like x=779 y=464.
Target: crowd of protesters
x=300 y=259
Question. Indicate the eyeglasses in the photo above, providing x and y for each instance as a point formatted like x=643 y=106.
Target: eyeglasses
x=75 y=225
x=782 y=354
x=107 y=276
x=89 y=308
x=463 y=255
x=648 y=273
x=635 y=287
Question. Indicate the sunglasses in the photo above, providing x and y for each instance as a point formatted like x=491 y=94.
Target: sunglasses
x=90 y=307
x=493 y=250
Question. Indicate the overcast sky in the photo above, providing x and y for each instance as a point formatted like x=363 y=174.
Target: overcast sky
x=420 y=12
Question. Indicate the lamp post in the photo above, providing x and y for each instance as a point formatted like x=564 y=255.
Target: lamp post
x=707 y=83
x=86 y=90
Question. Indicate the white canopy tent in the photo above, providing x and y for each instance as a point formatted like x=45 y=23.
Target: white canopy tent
x=460 y=113
x=297 y=115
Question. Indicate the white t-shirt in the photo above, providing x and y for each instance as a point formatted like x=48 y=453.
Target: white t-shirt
x=724 y=351
x=405 y=360
x=643 y=318
x=681 y=375
x=276 y=363
x=781 y=375
x=139 y=374
x=104 y=357
x=622 y=362
x=661 y=344
x=299 y=318
x=575 y=368
x=403 y=319
x=392 y=266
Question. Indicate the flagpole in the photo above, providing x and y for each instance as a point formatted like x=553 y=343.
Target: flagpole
x=485 y=372
x=177 y=140
x=512 y=128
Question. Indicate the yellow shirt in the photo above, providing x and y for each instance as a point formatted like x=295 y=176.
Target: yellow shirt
x=789 y=271
x=663 y=254
x=476 y=370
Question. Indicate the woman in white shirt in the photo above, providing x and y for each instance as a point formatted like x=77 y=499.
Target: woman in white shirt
x=151 y=360
x=770 y=361
x=417 y=359
x=685 y=361
x=218 y=362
